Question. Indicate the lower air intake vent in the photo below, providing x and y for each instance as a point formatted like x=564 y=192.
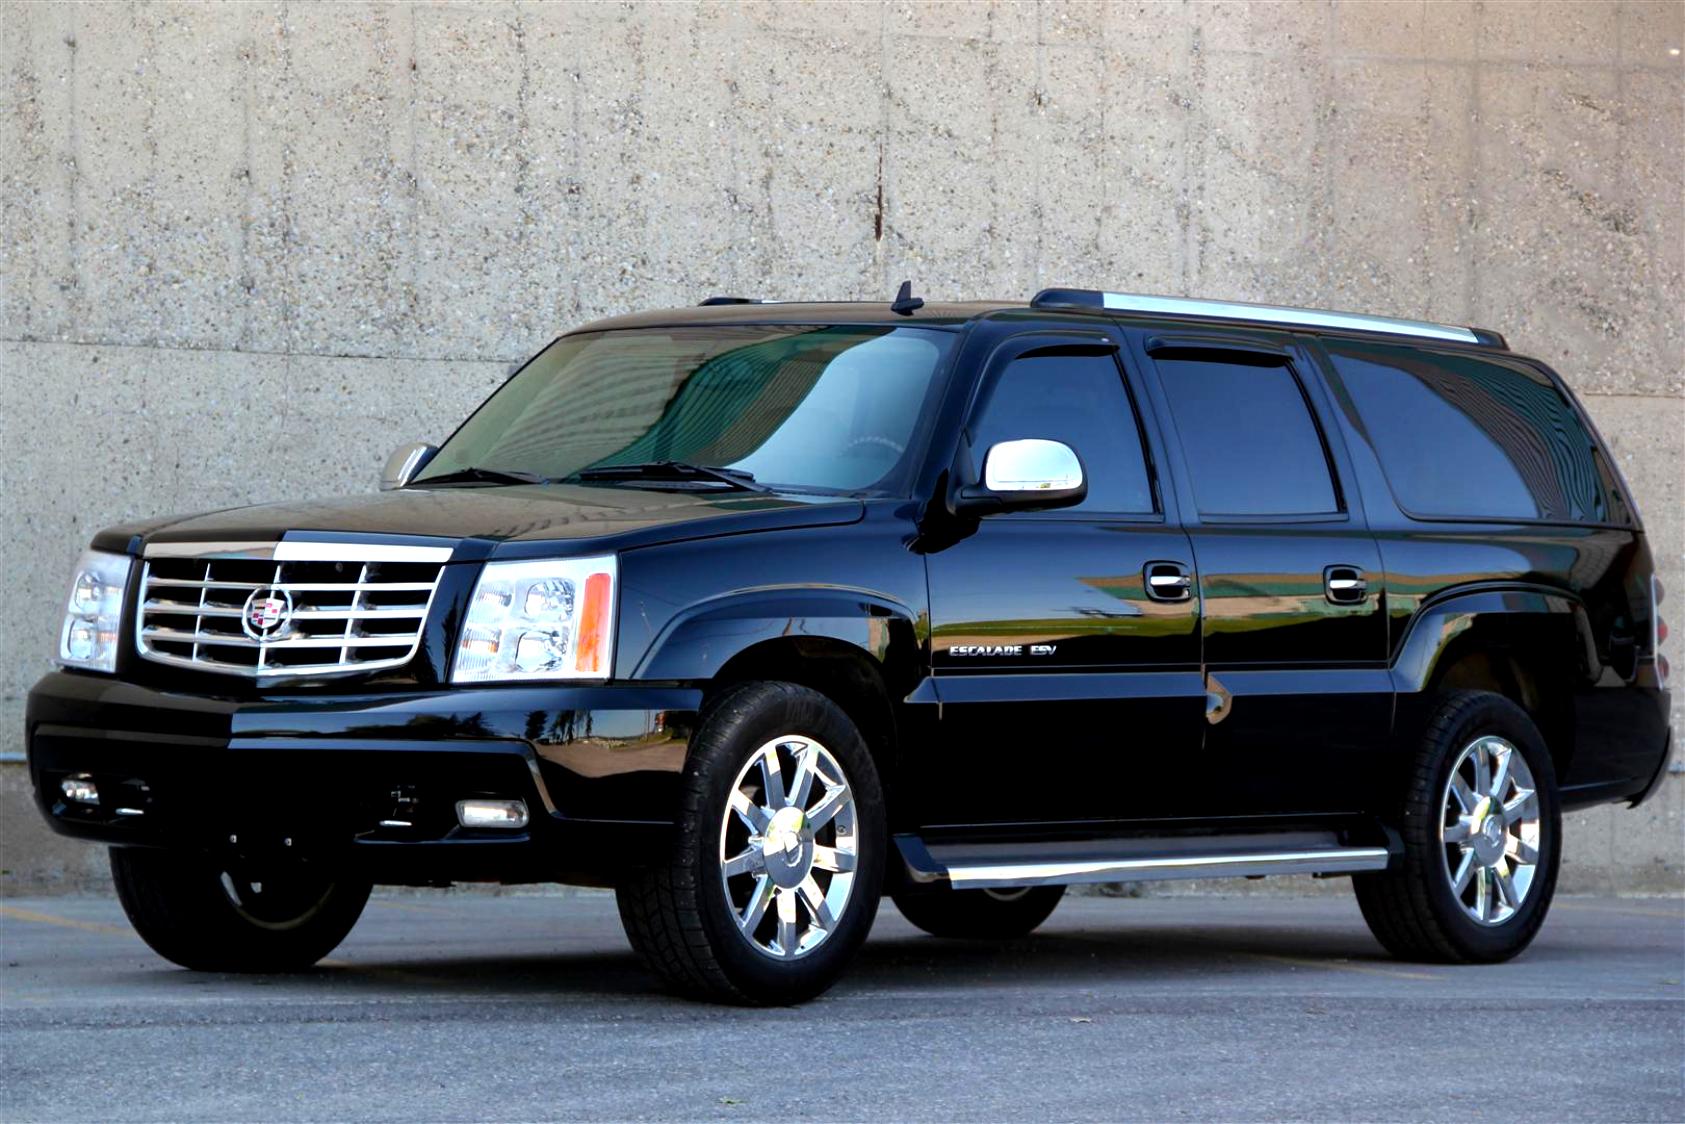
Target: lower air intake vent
x=274 y=611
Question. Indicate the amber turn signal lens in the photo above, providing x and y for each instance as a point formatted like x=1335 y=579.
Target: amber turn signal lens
x=594 y=623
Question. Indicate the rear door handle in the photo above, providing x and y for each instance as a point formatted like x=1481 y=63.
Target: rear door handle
x=1344 y=585
x=1168 y=581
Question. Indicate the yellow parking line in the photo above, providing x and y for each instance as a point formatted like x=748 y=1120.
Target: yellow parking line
x=1346 y=966
x=31 y=915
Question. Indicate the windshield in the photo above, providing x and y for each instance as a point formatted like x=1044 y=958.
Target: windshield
x=799 y=407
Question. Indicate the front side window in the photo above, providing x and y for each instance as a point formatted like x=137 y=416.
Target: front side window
x=1080 y=400
x=800 y=408
x=1251 y=444
x=1462 y=437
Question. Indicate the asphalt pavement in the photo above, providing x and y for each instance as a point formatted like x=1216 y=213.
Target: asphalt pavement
x=462 y=1006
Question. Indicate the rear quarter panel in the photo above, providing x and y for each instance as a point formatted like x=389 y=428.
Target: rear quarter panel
x=1570 y=601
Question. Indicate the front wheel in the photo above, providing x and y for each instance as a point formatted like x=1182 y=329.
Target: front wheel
x=1482 y=837
x=995 y=915
x=777 y=864
x=230 y=917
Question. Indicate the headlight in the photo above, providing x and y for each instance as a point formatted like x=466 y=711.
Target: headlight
x=94 y=611
x=539 y=620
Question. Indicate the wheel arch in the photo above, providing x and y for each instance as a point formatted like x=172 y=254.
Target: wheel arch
x=860 y=649
x=1531 y=645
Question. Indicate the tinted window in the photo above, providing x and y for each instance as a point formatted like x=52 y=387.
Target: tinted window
x=1251 y=445
x=1081 y=401
x=1460 y=436
x=800 y=407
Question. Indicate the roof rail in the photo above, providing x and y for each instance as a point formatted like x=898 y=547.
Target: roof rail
x=728 y=300
x=1261 y=313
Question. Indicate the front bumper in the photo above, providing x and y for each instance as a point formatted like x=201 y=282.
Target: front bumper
x=372 y=777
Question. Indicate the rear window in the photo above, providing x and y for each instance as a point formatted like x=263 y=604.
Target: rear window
x=1463 y=437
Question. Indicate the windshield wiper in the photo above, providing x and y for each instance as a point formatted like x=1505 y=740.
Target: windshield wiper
x=478 y=475
x=674 y=471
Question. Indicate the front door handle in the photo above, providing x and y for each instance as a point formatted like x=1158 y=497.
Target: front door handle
x=1344 y=585
x=1168 y=581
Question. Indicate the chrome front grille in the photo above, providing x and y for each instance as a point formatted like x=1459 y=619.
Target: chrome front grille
x=272 y=611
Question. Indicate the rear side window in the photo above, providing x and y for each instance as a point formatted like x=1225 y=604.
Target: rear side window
x=1080 y=400
x=1462 y=437
x=1250 y=442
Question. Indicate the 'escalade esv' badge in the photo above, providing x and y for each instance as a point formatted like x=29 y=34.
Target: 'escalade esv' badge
x=268 y=613
x=988 y=650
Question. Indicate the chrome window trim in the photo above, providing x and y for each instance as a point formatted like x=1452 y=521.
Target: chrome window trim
x=1284 y=316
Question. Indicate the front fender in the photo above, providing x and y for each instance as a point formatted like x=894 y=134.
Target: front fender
x=703 y=638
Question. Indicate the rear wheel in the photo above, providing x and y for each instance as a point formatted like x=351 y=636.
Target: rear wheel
x=231 y=917
x=1482 y=838
x=996 y=915
x=777 y=866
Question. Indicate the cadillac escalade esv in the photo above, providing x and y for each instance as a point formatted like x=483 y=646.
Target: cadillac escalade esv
x=759 y=611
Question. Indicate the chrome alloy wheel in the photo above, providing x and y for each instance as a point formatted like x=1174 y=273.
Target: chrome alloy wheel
x=789 y=847
x=1489 y=824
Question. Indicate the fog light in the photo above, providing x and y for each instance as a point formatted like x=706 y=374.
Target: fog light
x=79 y=788
x=508 y=814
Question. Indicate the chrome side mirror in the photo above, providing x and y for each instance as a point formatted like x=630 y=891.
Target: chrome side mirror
x=1025 y=475
x=404 y=463
x=1032 y=465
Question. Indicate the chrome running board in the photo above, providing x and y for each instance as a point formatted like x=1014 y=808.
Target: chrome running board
x=974 y=866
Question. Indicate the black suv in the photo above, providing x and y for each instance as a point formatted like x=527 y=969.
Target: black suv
x=758 y=611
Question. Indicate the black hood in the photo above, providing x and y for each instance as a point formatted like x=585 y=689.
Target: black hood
x=611 y=517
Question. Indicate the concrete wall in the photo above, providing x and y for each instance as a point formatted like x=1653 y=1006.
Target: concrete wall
x=245 y=249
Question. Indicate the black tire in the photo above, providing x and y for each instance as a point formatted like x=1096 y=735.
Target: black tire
x=179 y=904
x=990 y=915
x=1413 y=909
x=678 y=916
